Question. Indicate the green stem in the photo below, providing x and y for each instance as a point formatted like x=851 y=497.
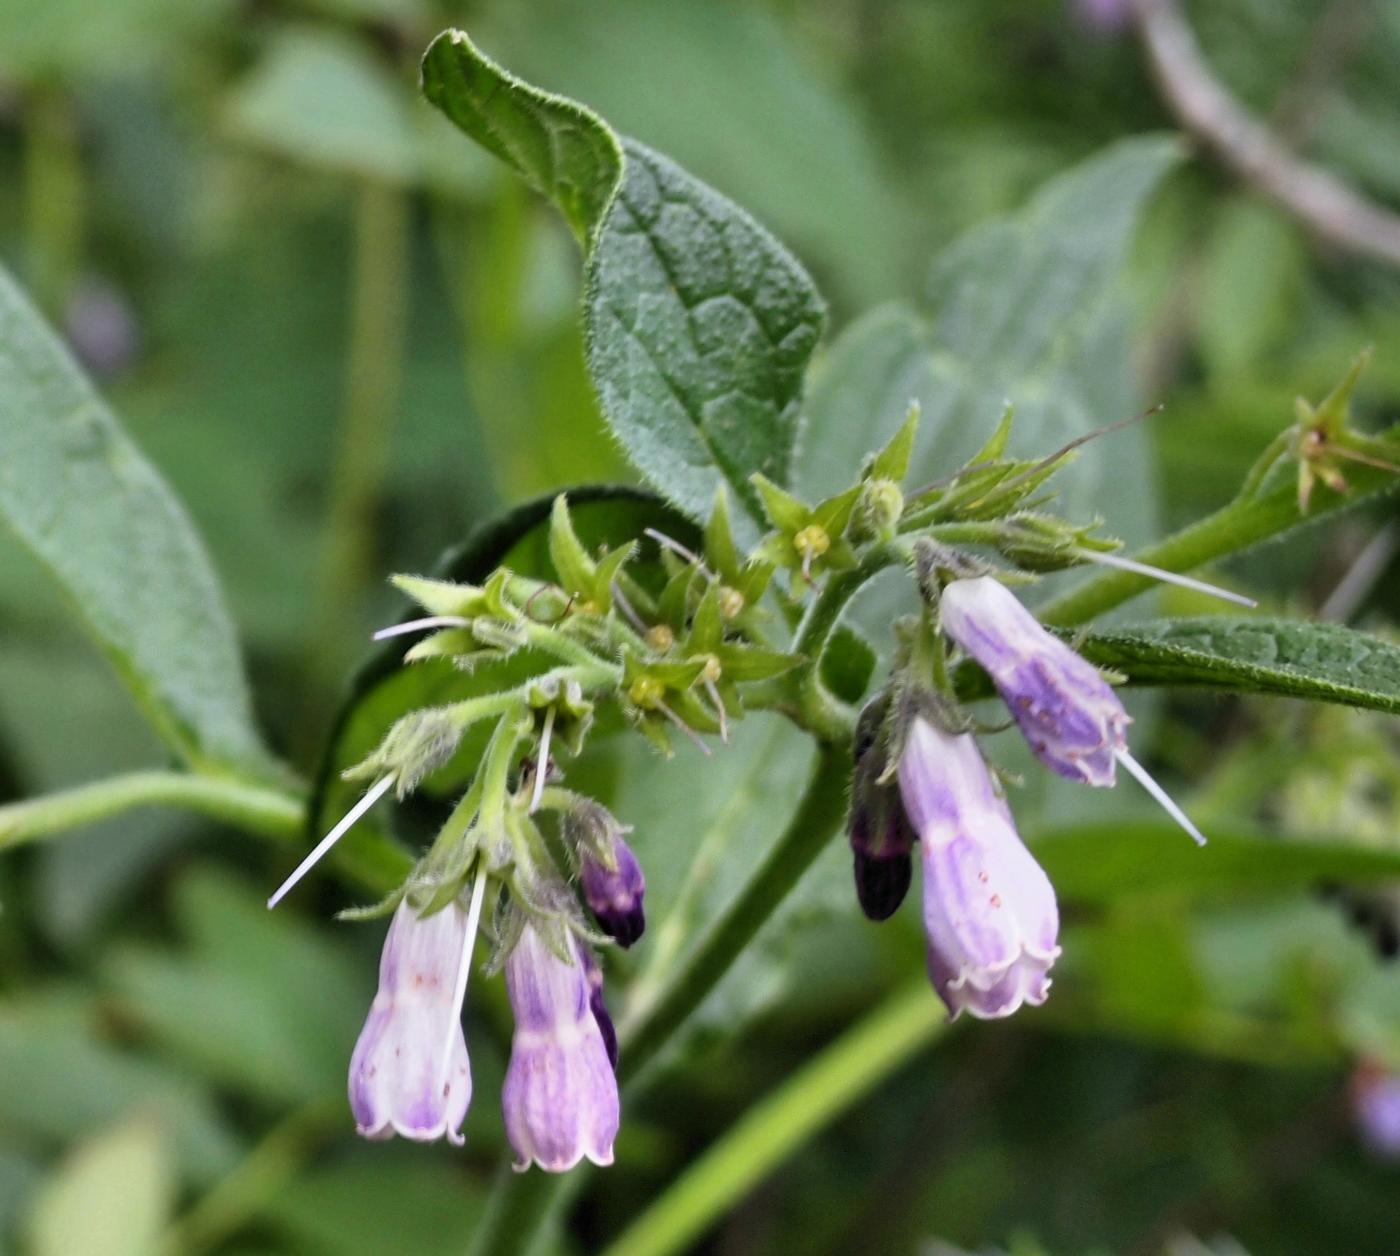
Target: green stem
x=54 y=194
x=820 y=811
x=1237 y=527
x=257 y=808
x=373 y=373
x=522 y=1202
x=779 y=1124
x=820 y=712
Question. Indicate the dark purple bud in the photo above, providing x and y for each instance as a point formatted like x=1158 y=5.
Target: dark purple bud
x=882 y=881
x=598 y=1006
x=614 y=894
x=879 y=832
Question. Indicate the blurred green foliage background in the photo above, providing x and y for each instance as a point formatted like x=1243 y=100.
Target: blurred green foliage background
x=347 y=337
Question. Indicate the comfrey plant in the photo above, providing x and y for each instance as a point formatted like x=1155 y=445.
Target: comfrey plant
x=452 y=784
x=677 y=623
x=671 y=639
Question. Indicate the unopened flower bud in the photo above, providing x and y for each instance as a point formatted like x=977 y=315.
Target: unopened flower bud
x=614 y=894
x=880 y=508
x=610 y=875
x=880 y=834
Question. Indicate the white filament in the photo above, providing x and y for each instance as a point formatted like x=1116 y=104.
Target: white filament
x=464 y=968
x=542 y=761
x=1160 y=794
x=371 y=796
x=1168 y=577
x=413 y=625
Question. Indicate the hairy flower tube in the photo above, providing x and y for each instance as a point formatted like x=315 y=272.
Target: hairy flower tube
x=1067 y=712
x=989 y=909
x=409 y=1074
x=560 y=1098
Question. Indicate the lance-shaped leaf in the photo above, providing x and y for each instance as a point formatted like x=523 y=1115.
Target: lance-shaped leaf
x=699 y=323
x=97 y=515
x=1324 y=662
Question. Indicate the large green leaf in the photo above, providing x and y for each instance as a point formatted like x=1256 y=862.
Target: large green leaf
x=1028 y=310
x=233 y=1002
x=1324 y=662
x=699 y=323
x=808 y=165
x=80 y=495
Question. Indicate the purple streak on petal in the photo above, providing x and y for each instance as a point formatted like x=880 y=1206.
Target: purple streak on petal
x=401 y=1078
x=1066 y=711
x=560 y=1098
x=989 y=910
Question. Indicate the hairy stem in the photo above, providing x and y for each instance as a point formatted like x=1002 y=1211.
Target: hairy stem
x=373 y=370
x=779 y=1124
x=269 y=812
x=1244 y=523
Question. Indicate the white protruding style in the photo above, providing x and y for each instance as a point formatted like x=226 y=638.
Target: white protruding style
x=1160 y=794
x=371 y=796
x=1167 y=577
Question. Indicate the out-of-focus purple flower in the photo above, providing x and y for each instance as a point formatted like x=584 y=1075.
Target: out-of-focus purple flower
x=1375 y=1099
x=614 y=895
x=102 y=328
x=1104 y=17
x=1066 y=711
x=410 y=1074
x=880 y=834
x=989 y=909
x=560 y=1097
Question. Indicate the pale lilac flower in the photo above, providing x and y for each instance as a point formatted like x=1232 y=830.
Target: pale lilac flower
x=560 y=1097
x=409 y=1074
x=1066 y=711
x=614 y=895
x=989 y=909
x=1375 y=1096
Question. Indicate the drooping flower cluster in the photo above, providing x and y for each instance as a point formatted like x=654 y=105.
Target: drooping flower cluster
x=410 y=1074
x=691 y=648
x=990 y=913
